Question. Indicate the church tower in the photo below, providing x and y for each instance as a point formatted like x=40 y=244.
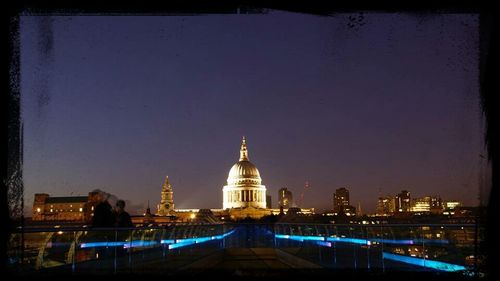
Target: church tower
x=166 y=206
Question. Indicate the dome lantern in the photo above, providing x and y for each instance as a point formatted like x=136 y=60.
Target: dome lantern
x=243 y=150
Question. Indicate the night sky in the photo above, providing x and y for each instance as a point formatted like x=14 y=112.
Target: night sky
x=376 y=103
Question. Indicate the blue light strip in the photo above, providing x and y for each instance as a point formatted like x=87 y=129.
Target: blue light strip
x=300 y=237
x=190 y=241
x=360 y=241
x=139 y=243
x=124 y=244
x=443 y=266
x=411 y=241
x=394 y=241
x=347 y=240
x=186 y=240
x=431 y=241
x=167 y=241
x=179 y=245
x=324 y=244
x=102 y=244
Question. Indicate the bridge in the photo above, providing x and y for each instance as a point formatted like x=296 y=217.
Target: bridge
x=248 y=249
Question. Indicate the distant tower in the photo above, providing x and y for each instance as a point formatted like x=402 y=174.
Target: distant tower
x=340 y=199
x=166 y=206
x=403 y=201
x=269 y=204
x=301 y=199
x=285 y=198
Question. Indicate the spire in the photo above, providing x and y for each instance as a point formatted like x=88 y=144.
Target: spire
x=243 y=150
x=358 y=211
x=166 y=184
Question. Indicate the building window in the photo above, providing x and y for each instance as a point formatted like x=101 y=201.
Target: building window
x=38 y=210
x=81 y=209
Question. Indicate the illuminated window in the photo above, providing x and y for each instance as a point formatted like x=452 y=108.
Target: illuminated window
x=38 y=210
x=81 y=209
x=92 y=208
x=51 y=210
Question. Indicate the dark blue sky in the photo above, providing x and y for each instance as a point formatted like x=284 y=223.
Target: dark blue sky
x=117 y=103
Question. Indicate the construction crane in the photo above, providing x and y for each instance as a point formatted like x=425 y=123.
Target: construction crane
x=301 y=199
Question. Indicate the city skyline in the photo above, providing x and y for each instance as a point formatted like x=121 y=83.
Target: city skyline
x=118 y=103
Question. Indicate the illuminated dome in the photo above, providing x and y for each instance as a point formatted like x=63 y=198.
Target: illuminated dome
x=244 y=187
x=244 y=172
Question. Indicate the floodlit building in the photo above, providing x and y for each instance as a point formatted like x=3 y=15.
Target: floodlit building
x=421 y=205
x=451 y=205
x=341 y=203
x=403 y=202
x=243 y=196
x=244 y=185
x=70 y=208
x=340 y=199
x=285 y=198
x=386 y=206
x=427 y=204
x=166 y=206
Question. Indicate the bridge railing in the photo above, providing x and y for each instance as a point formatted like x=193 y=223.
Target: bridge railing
x=109 y=249
x=446 y=247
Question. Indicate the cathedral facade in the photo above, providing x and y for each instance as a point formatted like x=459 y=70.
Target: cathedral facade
x=244 y=187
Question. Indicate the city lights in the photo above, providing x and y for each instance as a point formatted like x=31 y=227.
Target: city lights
x=158 y=145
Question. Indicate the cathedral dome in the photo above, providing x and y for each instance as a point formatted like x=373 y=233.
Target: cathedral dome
x=244 y=188
x=244 y=171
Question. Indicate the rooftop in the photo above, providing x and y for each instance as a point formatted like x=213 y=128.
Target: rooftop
x=69 y=199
